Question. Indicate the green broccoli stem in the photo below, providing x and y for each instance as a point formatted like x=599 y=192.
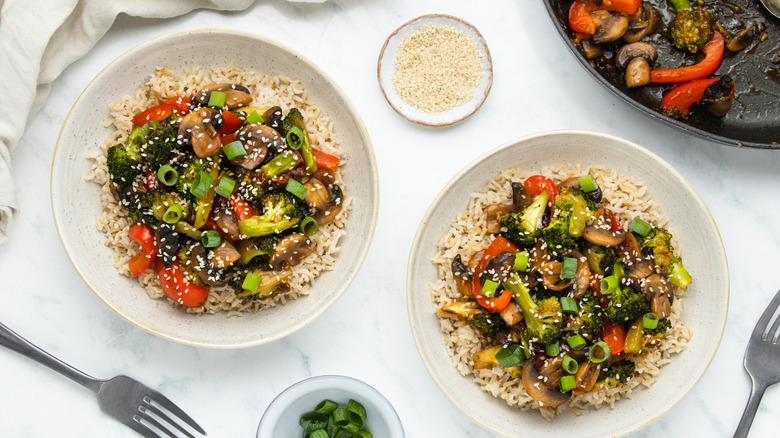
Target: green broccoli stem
x=280 y=164
x=681 y=5
x=522 y=297
x=679 y=276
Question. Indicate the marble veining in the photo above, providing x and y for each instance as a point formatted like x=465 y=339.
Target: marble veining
x=537 y=86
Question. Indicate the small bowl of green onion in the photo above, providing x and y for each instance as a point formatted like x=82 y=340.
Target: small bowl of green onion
x=330 y=406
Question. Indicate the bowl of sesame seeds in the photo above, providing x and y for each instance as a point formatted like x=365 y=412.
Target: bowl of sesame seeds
x=435 y=70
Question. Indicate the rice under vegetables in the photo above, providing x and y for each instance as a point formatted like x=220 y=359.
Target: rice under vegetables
x=266 y=91
x=468 y=235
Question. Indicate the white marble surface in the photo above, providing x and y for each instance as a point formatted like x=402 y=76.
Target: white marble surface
x=537 y=86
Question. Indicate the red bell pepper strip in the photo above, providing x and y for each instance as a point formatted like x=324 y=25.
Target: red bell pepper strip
x=227 y=139
x=232 y=122
x=679 y=99
x=144 y=236
x=615 y=223
x=324 y=160
x=537 y=184
x=179 y=288
x=160 y=112
x=713 y=55
x=499 y=303
x=580 y=19
x=151 y=180
x=625 y=6
x=241 y=208
x=614 y=335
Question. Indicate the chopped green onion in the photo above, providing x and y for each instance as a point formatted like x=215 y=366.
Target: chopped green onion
x=326 y=407
x=568 y=305
x=617 y=270
x=319 y=433
x=352 y=427
x=295 y=138
x=341 y=416
x=362 y=434
x=553 y=349
x=172 y=214
x=568 y=383
x=640 y=227
x=167 y=175
x=510 y=356
x=489 y=288
x=521 y=261
x=588 y=183
x=210 y=239
x=251 y=282
x=201 y=185
x=569 y=268
x=254 y=118
x=312 y=421
x=234 y=150
x=296 y=188
x=575 y=341
x=308 y=226
x=609 y=284
x=226 y=186
x=650 y=320
x=594 y=350
x=357 y=413
x=570 y=365
x=217 y=99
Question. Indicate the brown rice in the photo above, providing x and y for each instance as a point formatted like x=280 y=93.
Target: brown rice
x=267 y=91
x=468 y=235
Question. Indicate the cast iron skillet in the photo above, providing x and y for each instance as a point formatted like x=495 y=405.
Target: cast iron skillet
x=754 y=118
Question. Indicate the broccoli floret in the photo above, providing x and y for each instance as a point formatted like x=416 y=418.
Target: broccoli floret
x=249 y=184
x=621 y=371
x=487 y=322
x=557 y=236
x=139 y=208
x=280 y=212
x=691 y=29
x=161 y=143
x=256 y=249
x=160 y=200
x=522 y=229
x=569 y=217
x=280 y=164
x=270 y=281
x=189 y=171
x=294 y=119
x=124 y=162
x=587 y=321
x=659 y=241
x=663 y=326
x=625 y=305
x=544 y=318
x=600 y=258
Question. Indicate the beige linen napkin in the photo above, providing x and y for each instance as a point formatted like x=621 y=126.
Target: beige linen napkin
x=39 y=39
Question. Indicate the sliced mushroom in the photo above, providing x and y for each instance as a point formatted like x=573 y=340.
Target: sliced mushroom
x=538 y=256
x=718 y=97
x=590 y=50
x=740 y=40
x=462 y=276
x=552 y=371
x=335 y=203
x=462 y=309
x=474 y=259
x=224 y=255
x=599 y=231
x=512 y=314
x=495 y=213
x=257 y=139
x=551 y=277
x=235 y=95
x=273 y=118
x=587 y=375
x=227 y=223
x=290 y=250
x=657 y=290
x=202 y=267
x=508 y=336
x=499 y=268
x=199 y=129
x=637 y=265
x=536 y=388
x=582 y=276
x=167 y=243
x=635 y=58
x=643 y=23
x=609 y=27
x=521 y=199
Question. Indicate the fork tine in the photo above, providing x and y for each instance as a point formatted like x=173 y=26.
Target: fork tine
x=153 y=409
x=175 y=410
x=141 y=428
x=767 y=316
x=151 y=420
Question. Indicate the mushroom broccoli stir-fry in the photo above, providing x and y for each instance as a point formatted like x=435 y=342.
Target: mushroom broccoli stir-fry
x=565 y=297
x=221 y=193
x=677 y=44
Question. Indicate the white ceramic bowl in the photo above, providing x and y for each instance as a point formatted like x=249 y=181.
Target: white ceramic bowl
x=386 y=67
x=282 y=416
x=76 y=202
x=705 y=302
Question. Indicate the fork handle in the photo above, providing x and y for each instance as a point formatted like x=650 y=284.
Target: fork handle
x=750 y=410
x=11 y=340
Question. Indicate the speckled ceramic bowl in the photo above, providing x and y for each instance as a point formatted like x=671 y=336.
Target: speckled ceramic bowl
x=705 y=302
x=76 y=202
x=283 y=414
